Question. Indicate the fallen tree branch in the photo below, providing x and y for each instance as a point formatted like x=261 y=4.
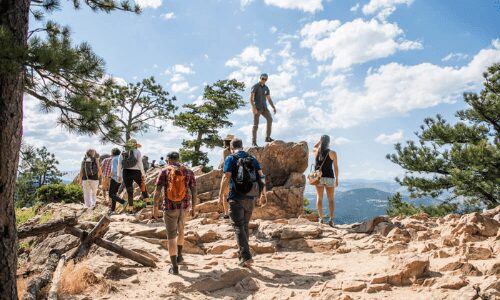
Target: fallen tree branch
x=51 y=226
x=132 y=255
x=86 y=241
x=56 y=278
x=35 y=285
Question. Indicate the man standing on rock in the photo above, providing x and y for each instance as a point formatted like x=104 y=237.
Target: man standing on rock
x=175 y=180
x=258 y=96
x=244 y=178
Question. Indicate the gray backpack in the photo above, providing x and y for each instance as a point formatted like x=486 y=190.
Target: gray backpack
x=128 y=159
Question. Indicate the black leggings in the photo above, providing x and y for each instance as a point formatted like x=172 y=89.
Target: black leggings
x=113 y=190
x=129 y=176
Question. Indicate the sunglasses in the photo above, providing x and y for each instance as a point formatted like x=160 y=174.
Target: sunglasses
x=263 y=78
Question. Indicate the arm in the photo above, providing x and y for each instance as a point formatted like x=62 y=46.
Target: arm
x=99 y=169
x=333 y=156
x=194 y=199
x=252 y=102
x=224 y=186
x=139 y=162
x=268 y=97
x=316 y=148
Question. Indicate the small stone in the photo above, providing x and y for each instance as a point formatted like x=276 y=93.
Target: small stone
x=375 y=288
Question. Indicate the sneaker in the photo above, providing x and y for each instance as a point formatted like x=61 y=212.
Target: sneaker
x=330 y=223
x=320 y=221
x=269 y=140
x=111 y=212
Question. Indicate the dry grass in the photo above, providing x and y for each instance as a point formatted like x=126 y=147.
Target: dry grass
x=76 y=279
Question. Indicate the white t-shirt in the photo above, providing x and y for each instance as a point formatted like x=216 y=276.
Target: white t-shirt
x=138 y=165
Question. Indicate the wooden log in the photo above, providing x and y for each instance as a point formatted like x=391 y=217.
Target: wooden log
x=86 y=242
x=132 y=255
x=51 y=226
x=35 y=285
x=56 y=278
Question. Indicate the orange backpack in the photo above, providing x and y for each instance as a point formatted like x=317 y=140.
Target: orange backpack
x=176 y=184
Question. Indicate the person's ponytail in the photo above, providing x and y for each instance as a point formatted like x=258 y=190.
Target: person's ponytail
x=325 y=143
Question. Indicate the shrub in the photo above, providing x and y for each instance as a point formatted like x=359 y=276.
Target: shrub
x=307 y=210
x=140 y=204
x=24 y=214
x=59 y=192
x=399 y=208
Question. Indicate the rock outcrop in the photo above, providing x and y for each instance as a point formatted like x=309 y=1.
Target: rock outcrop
x=282 y=163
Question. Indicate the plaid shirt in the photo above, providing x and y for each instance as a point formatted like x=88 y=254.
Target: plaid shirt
x=190 y=182
x=106 y=167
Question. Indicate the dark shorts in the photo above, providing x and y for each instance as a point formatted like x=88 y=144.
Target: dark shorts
x=174 y=222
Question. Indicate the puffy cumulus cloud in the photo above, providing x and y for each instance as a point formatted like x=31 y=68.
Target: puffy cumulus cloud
x=280 y=84
x=149 y=3
x=341 y=141
x=354 y=42
x=273 y=29
x=179 y=83
x=355 y=8
x=304 y=5
x=249 y=55
x=395 y=88
x=392 y=138
x=383 y=8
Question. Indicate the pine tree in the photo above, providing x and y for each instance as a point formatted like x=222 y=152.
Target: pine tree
x=134 y=108
x=463 y=158
x=203 y=121
x=41 y=62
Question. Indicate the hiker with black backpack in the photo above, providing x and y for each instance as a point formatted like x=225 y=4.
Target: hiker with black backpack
x=133 y=171
x=90 y=171
x=244 y=178
x=178 y=184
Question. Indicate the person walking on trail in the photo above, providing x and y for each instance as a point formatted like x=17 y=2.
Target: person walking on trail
x=259 y=96
x=244 y=178
x=90 y=171
x=179 y=188
x=326 y=160
x=105 y=180
x=133 y=171
x=162 y=162
x=225 y=153
x=115 y=180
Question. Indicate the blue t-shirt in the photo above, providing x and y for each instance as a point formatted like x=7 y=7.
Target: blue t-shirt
x=230 y=165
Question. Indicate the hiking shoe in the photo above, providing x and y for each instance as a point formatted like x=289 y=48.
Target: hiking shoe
x=111 y=212
x=180 y=259
x=246 y=263
x=269 y=140
x=330 y=223
x=226 y=217
x=320 y=221
x=174 y=270
x=254 y=144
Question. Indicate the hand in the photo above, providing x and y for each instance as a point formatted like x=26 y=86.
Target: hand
x=274 y=110
x=336 y=183
x=254 y=110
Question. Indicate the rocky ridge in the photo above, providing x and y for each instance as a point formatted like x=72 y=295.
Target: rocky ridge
x=453 y=257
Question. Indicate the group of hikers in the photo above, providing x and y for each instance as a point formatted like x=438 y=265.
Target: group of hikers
x=242 y=185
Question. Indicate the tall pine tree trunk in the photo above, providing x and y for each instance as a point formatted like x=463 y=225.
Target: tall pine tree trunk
x=197 y=146
x=13 y=18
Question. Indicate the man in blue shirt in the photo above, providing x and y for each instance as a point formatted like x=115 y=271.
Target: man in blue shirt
x=240 y=204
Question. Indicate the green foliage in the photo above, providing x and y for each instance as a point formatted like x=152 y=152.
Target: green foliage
x=139 y=204
x=37 y=168
x=463 y=158
x=134 y=108
x=399 y=208
x=24 y=245
x=203 y=121
x=70 y=193
x=46 y=216
x=307 y=210
x=25 y=214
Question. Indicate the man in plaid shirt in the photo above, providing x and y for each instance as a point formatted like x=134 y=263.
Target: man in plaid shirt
x=106 y=174
x=174 y=212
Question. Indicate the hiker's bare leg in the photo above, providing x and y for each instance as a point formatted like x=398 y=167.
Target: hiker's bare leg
x=330 y=193
x=319 y=200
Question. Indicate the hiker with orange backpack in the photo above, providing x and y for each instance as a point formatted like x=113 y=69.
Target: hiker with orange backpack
x=176 y=181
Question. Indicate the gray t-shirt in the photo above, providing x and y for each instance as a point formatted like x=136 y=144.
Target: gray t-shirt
x=260 y=91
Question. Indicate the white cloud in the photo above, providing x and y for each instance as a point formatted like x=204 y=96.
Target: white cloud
x=273 y=29
x=355 y=8
x=341 y=141
x=383 y=8
x=310 y=94
x=149 y=3
x=280 y=84
x=354 y=42
x=395 y=89
x=182 y=87
x=304 y=5
x=392 y=138
x=249 y=55
x=245 y=3
x=182 y=69
x=455 y=56
x=168 y=16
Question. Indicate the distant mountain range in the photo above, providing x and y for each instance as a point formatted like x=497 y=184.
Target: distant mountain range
x=359 y=204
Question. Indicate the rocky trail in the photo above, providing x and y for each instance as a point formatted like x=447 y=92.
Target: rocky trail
x=454 y=257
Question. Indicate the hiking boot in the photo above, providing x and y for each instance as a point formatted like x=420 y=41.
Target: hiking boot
x=254 y=144
x=180 y=259
x=173 y=270
x=269 y=140
x=246 y=263
x=330 y=223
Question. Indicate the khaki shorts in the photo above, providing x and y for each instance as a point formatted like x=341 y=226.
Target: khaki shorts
x=174 y=221
x=326 y=182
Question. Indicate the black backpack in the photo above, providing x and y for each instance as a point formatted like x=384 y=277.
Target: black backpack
x=128 y=159
x=89 y=165
x=245 y=177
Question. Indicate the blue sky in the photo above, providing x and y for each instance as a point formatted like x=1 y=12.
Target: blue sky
x=365 y=72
